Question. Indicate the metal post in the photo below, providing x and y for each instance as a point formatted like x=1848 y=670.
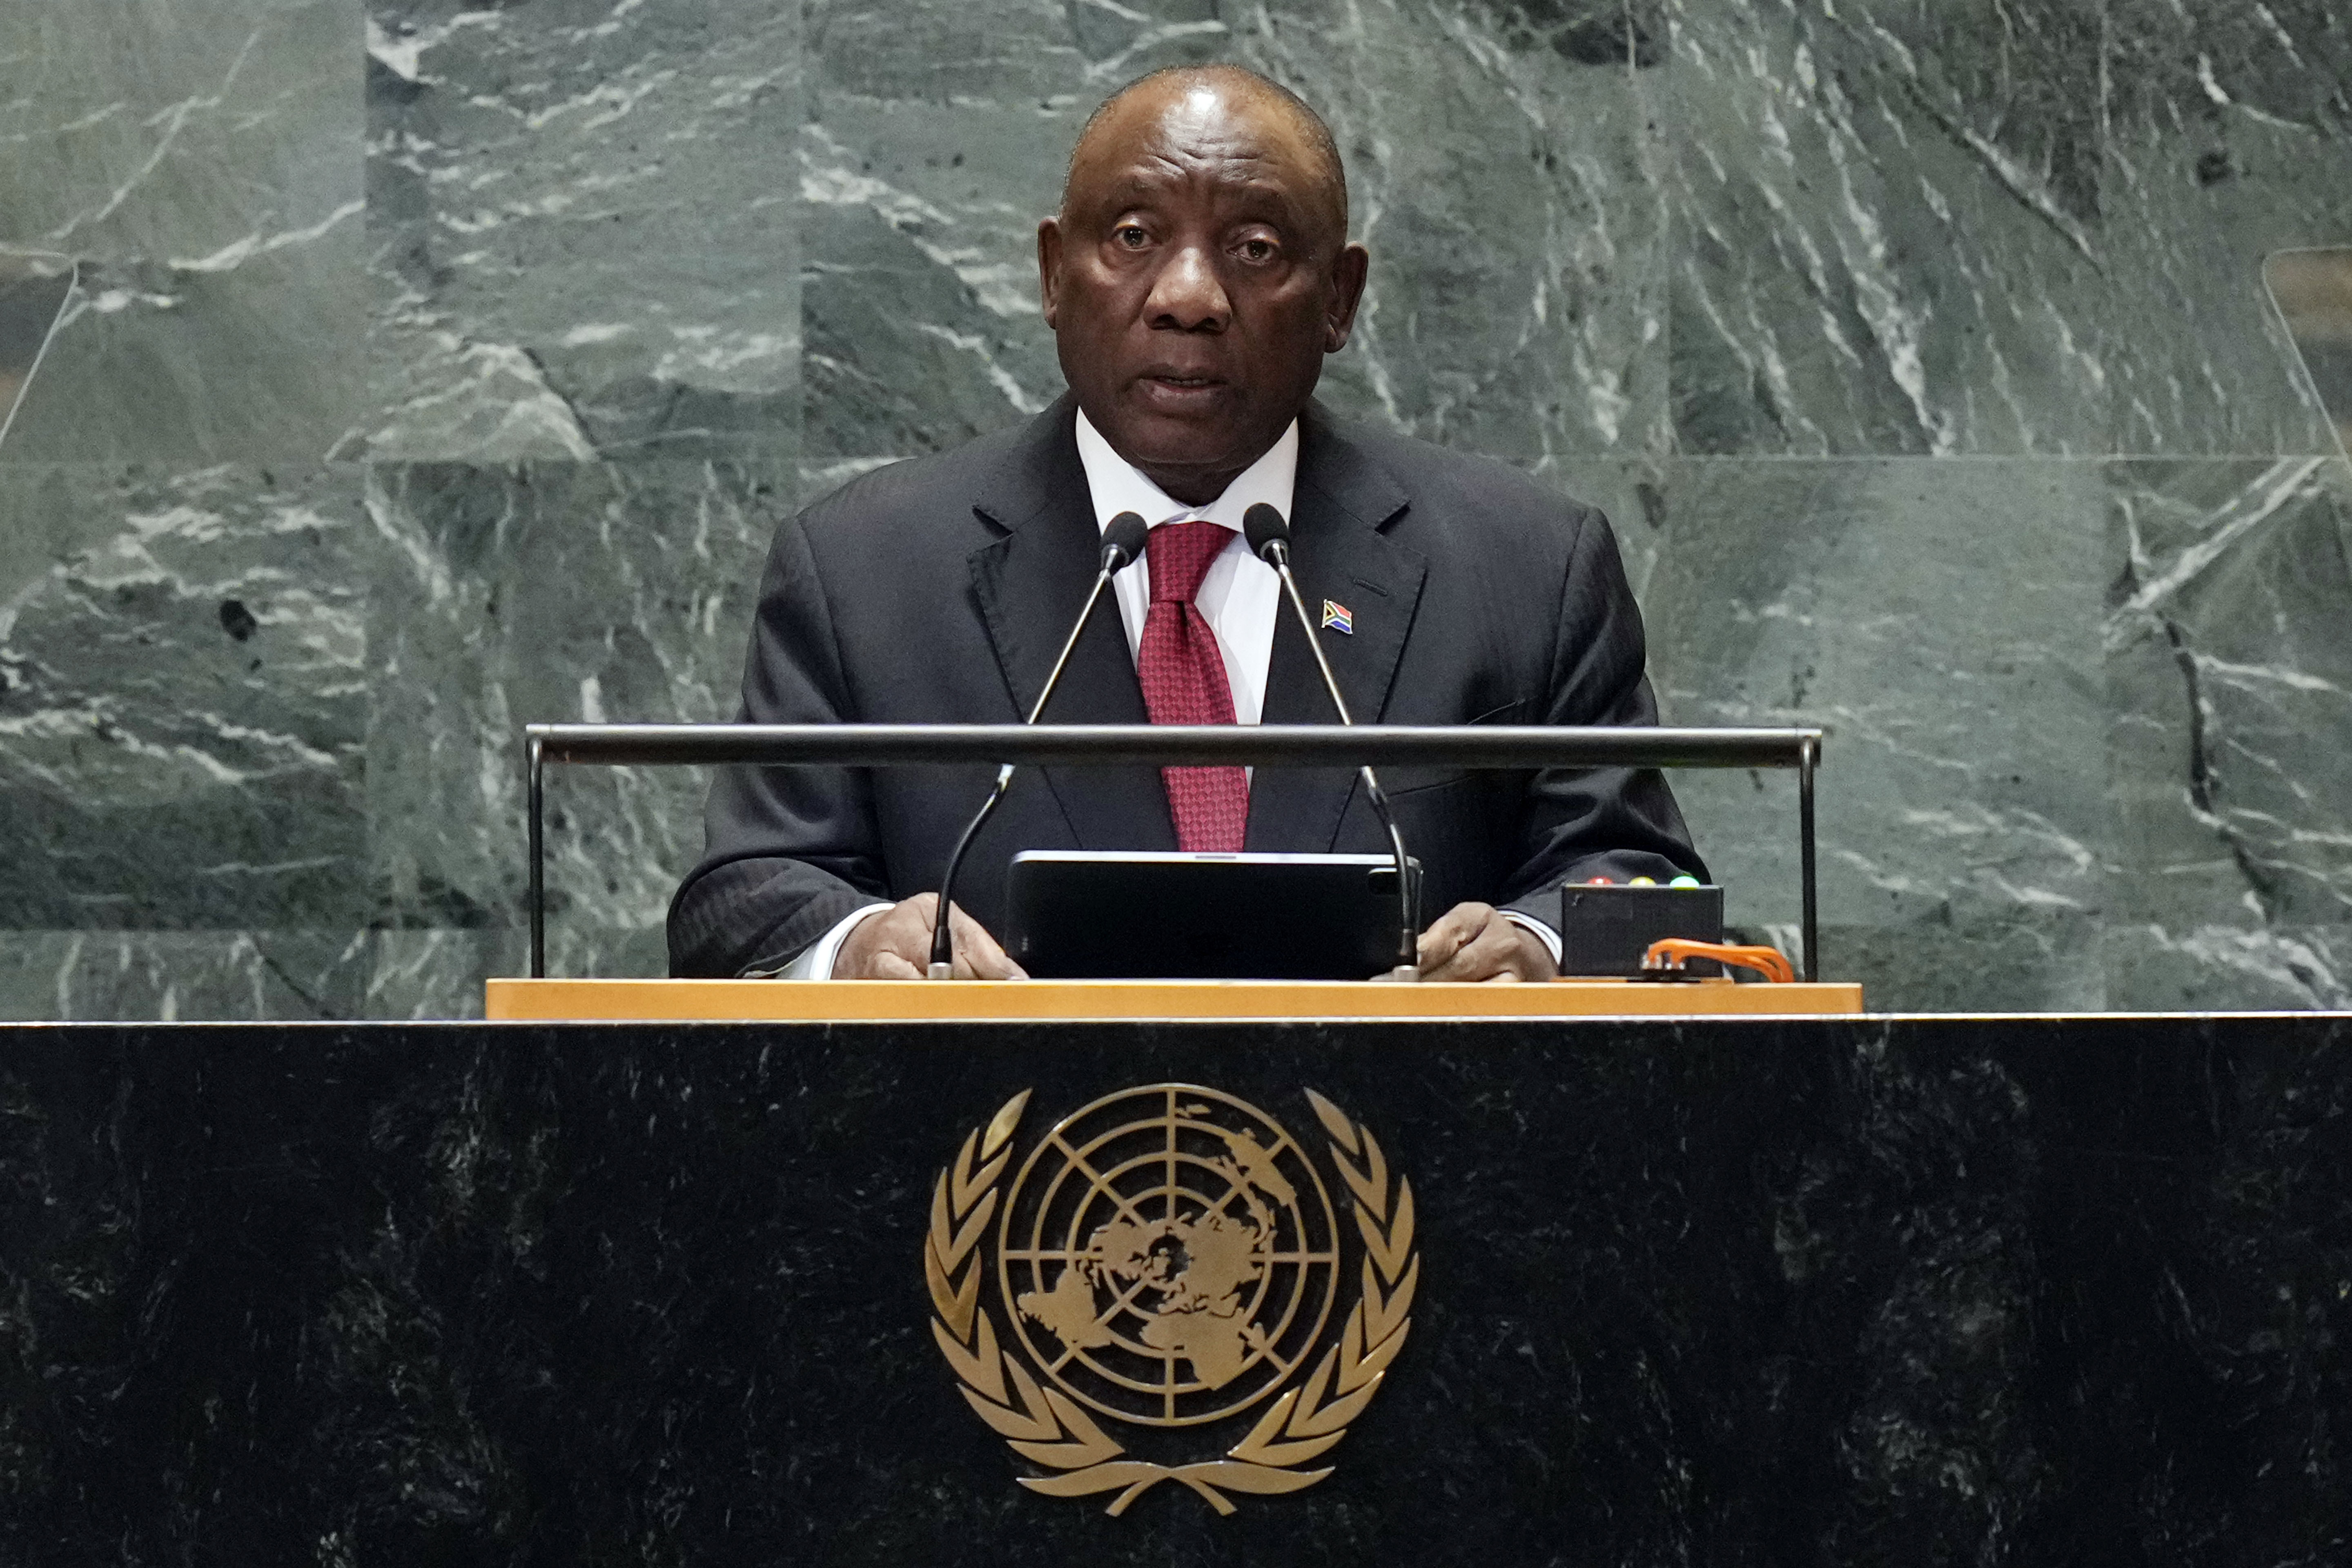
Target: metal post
x=1163 y=745
x=1808 y=752
x=538 y=863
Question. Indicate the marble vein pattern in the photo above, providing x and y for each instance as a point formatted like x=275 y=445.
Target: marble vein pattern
x=2229 y=137
x=1889 y=230
x=1998 y=225
x=171 y=976
x=2228 y=643
x=595 y=593
x=581 y=230
x=1940 y=620
x=202 y=160
x=183 y=697
x=2313 y=289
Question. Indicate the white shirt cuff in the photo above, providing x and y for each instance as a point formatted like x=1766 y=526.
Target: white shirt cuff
x=1543 y=934
x=816 y=961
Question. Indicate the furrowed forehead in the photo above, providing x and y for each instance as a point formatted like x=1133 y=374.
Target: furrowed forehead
x=1262 y=123
x=1239 y=178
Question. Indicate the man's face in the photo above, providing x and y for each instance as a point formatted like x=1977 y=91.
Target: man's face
x=1197 y=275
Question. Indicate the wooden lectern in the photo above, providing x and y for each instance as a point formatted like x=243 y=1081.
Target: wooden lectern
x=1104 y=1001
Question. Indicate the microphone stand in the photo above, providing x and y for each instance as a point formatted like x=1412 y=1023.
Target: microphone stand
x=1122 y=542
x=1269 y=535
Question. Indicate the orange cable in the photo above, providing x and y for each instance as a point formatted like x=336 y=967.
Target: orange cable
x=1675 y=950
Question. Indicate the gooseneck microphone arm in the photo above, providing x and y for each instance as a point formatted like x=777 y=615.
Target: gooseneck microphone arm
x=1269 y=536
x=1122 y=542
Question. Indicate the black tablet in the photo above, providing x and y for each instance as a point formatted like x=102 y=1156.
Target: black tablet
x=1083 y=915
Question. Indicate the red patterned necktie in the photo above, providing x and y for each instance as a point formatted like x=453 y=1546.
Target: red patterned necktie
x=1185 y=683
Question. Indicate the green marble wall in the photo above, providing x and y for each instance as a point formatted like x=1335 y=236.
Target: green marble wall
x=436 y=370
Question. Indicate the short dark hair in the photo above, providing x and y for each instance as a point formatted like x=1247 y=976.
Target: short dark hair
x=1318 y=133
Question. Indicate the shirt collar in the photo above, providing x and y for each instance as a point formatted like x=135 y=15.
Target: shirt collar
x=1116 y=486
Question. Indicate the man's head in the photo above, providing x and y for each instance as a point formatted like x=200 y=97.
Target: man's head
x=1199 y=270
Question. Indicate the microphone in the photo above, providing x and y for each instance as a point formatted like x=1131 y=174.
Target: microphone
x=1269 y=539
x=1122 y=542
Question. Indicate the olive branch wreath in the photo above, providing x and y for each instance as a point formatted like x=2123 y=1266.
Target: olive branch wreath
x=1047 y=1426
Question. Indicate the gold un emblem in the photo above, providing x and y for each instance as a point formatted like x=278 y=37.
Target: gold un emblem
x=1168 y=1258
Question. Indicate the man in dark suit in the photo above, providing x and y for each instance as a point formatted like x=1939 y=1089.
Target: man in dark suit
x=1195 y=277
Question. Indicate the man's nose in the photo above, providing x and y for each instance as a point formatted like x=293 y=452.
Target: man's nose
x=1187 y=295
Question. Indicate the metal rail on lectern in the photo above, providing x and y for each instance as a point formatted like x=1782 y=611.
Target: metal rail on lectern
x=1491 y=746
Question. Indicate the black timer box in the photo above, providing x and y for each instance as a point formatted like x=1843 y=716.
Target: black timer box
x=1604 y=929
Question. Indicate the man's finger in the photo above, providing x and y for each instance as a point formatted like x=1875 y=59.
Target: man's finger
x=1444 y=937
x=888 y=965
x=1494 y=950
x=1446 y=946
x=903 y=931
x=978 y=956
x=1473 y=960
x=912 y=939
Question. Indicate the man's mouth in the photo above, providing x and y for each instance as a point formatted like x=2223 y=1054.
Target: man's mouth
x=1174 y=390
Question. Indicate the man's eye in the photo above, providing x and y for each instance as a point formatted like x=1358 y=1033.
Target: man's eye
x=1257 y=249
x=1131 y=236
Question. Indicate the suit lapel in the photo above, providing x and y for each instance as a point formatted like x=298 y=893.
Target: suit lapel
x=1028 y=585
x=1341 y=503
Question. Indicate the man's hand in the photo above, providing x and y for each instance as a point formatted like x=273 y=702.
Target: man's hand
x=895 y=944
x=1478 y=941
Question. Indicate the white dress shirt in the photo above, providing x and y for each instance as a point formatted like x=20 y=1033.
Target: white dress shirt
x=1239 y=597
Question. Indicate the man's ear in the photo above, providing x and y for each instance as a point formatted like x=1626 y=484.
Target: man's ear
x=1049 y=266
x=1347 y=272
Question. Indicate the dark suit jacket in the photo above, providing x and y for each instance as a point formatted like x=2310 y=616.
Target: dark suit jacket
x=938 y=591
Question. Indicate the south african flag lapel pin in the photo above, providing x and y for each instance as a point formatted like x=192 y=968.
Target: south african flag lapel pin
x=1337 y=618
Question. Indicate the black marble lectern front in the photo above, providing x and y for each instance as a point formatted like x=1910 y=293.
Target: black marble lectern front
x=1863 y=1291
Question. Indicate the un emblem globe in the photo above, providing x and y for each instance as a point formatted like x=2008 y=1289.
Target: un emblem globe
x=1168 y=1254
